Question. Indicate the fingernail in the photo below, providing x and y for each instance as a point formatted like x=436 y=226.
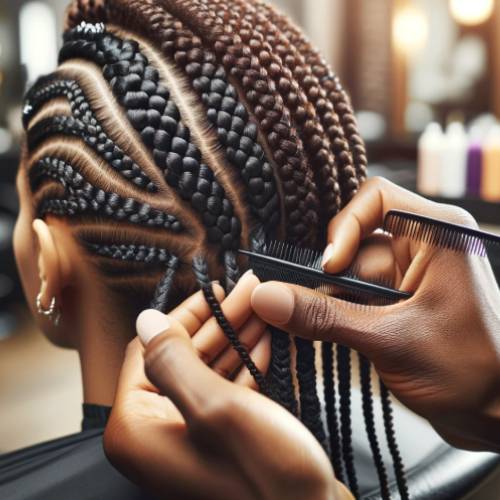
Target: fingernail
x=327 y=256
x=151 y=323
x=273 y=302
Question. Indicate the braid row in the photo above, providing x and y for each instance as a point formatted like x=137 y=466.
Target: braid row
x=82 y=124
x=236 y=131
x=330 y=394
x=337 y=96
x=133 y=253
x=296 y=91
x=82 y=197
x=252 y=73
x=137 y=87
x=310 y=408
x=369 y=417
x=200 y=269
x=344 y=373
x=390 y=434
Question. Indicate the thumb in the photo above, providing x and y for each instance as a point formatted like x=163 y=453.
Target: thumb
x=308 y=314
x=173 y=366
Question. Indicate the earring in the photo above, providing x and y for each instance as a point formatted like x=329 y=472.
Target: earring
x=52 y=312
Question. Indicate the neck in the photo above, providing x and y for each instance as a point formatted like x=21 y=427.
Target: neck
x=101 y=350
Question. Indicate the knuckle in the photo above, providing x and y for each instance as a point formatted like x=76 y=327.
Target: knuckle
x=458 y=215
x=203 y=355
x=218 y=416
x=223 y=372
x=318 y=315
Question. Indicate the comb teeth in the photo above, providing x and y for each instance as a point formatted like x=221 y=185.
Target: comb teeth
x=292 y=253
x=441 y=234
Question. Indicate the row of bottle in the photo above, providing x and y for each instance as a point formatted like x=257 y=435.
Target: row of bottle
x=456 y=164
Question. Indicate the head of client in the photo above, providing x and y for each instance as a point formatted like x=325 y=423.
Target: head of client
x=173 y=130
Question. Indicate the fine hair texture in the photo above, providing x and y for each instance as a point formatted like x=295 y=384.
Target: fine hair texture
x=175 y=132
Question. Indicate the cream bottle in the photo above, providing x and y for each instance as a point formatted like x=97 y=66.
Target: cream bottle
x=430 y=148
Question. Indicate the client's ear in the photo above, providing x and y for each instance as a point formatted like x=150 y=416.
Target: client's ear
x=49 y=263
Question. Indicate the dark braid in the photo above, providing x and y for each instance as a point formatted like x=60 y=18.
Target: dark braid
x=330 y=392
x=81 y=197
x=310 y=409
x=367 y=400
x=300 y=199
x=232 y=270
x=391 y=441
x=82 y=123
x=162 y=293
x=344 y=372
x=280 y=374
x=200 y=269
x=236 y=131
x=136 y=84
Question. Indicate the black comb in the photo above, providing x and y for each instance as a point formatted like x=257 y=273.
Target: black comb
x=439 y=233
x=302 y=266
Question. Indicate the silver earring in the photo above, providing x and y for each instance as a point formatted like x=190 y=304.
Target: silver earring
x=52 y=313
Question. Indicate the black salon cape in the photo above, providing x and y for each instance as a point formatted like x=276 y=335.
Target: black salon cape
x=70 y=468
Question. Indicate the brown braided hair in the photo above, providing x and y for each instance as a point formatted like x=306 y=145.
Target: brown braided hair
x=194 y=128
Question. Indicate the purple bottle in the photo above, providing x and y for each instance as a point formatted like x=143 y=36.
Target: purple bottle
x=474 y=169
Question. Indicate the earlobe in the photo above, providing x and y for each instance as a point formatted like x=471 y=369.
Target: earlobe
x=49 y=265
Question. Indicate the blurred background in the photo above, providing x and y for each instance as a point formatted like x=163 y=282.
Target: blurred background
x=423 y=76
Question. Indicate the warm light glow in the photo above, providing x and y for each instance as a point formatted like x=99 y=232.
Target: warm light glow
x=471 y=12
x=37 y=32
x=410 y=30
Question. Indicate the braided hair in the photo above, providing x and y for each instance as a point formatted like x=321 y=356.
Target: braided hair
x=190 y=129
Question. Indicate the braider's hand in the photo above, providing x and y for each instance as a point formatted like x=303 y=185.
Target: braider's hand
x=438 y=352
x=185 y=431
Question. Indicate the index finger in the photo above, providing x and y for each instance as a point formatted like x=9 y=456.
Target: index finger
x=364 y=214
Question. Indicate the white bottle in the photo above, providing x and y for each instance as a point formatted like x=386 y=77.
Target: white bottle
x=430 y=152
x=453 y=175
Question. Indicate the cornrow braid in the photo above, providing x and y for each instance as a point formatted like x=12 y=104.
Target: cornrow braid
x=369 y=417
x=82 y=124
x=236 y=131
x=266 y=103
x=335 y=94
x=132 y=253
x=330 y=393
x=297 y=53
x=304 y=112
x=135 y=83
x=391 y=441
x=200 y=269
x=82 y=197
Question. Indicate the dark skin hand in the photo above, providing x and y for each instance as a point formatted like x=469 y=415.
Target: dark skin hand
x=188 y=424
x=438 y=352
